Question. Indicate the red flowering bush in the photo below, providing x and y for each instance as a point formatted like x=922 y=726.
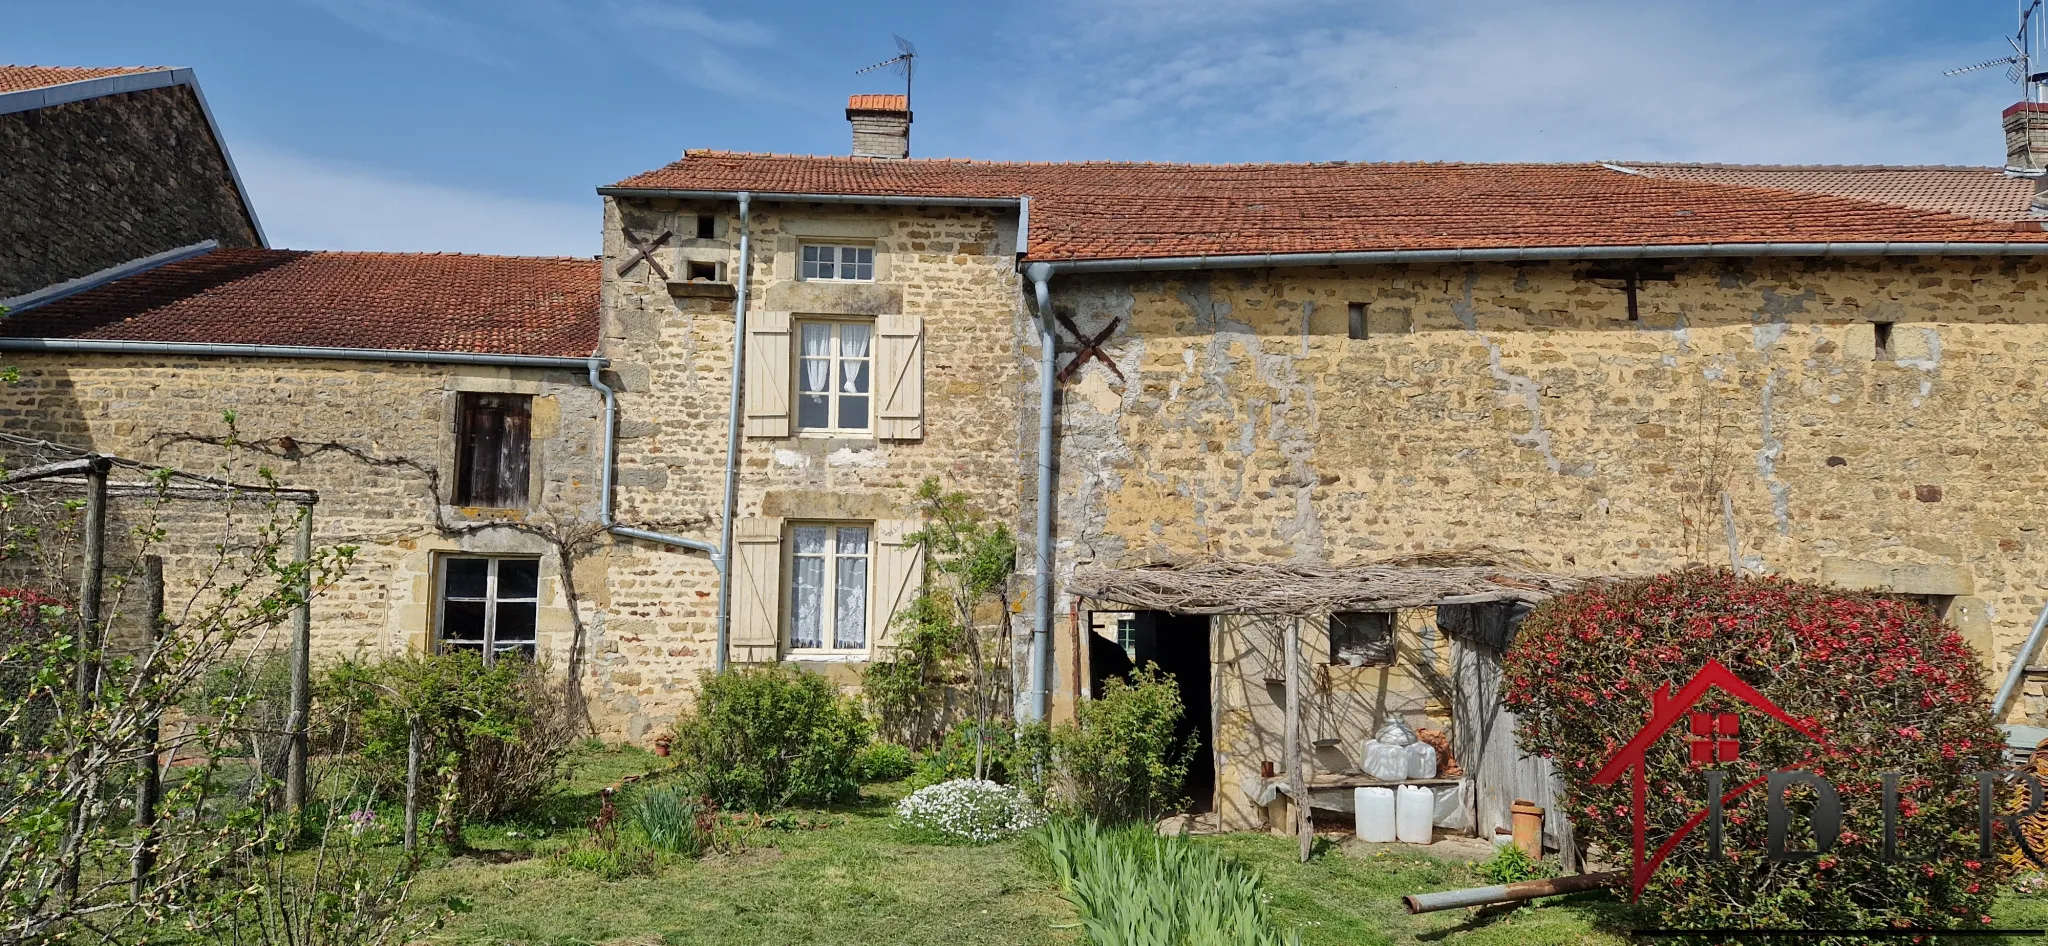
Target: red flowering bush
x=1884 y=684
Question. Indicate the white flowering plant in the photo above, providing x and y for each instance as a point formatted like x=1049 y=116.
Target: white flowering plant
x=977 y=811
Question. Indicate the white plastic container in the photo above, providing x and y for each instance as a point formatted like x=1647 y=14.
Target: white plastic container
x=1375 y=814
x=1384 y=762
x=1414 y=814
x=1421 y=760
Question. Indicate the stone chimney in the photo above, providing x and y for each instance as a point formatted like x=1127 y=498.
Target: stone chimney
x=881 y=125
x=2026 y=136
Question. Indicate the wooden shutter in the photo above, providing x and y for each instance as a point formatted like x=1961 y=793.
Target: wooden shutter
x=492 y=465
x=755 y=633
x=899 y=370
x=898 y=574
x=768 y=374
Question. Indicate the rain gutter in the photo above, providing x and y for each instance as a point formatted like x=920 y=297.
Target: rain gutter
x=733 y=411
x=1536 y=253
x=212 y=350
x=610 y=460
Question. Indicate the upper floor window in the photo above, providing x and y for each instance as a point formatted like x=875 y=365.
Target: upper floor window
x=828 y=589
x=842 y=263
x=491 y=460
x=489 y=605
x=1362 y=638
x=833 y=376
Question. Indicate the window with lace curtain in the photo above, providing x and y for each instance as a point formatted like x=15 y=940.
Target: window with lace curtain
x=828 y=588
x=834 y=372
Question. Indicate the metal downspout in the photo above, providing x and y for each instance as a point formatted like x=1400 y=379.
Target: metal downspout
x=611 y=447
x=732 y=436
x=2010 y=689
x=1041 y=625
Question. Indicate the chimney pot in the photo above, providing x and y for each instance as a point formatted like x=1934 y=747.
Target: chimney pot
x=881 y=125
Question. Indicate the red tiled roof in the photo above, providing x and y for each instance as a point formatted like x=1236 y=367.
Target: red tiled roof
x=877 y=103
x=1111 y=210
x=1989 y=193
x=24 y=78
x=411 y=301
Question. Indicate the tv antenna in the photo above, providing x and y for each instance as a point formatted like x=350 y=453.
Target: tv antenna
x=906 y=62
x=2032 y=35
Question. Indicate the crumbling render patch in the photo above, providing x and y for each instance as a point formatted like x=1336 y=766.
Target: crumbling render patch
x=1515 y=387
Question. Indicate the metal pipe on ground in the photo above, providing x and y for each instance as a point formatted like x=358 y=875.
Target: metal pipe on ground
x=1511 y=893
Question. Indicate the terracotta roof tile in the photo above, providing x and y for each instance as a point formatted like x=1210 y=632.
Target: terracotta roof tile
x=877 y=103
x=1119 y=210
x=24 y=78
x=409 y=301
x=1989 y=193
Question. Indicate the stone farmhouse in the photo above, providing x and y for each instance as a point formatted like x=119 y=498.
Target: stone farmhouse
x=1580 y=369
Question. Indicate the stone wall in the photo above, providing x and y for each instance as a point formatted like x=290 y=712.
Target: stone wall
x=672 y=355
x=377 y=441
x=91 y=184
x=1518 y=407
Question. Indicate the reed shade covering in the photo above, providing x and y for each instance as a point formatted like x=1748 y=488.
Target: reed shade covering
x=1457 y=576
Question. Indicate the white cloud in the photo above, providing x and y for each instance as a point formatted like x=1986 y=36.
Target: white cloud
x=1580 y=80
x=312 y=204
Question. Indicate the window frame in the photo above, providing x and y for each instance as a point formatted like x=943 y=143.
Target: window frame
x=828 y=629
x=469 y=404
x=489 y=645
x=832 y=392
x=806 y=272
x=1391 y=630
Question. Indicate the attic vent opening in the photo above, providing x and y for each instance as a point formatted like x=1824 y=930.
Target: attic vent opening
x=707 y=226
x=1883 y=333
x=699 y=271
x=1358 y=326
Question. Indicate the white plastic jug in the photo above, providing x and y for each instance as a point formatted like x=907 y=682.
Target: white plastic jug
x=1421 y=760
x=1384 y=762
x=1374 y=814
x=1415 y=813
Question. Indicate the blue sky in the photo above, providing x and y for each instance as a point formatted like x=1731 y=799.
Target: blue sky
x=484 y=125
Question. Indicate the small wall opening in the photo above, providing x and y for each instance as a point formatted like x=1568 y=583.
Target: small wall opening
x=1358 y=326
x=1883 y=333
x=707 y=226
x=698 y=271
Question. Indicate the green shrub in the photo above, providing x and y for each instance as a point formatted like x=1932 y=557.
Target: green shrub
x=1119 y=760
x=1885 y=682
x=31 y=628
x=882 y=762
x=495 y=740
x=1135 y=888
x=765 y=737
x=906 y=690
x=609 y=863
x=675 y=822
x=1512 y=865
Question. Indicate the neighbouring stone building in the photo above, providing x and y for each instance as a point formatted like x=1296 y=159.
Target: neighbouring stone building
x=106 y=166
x=1586 y=369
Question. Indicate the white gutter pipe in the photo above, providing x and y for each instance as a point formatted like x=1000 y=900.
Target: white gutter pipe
x=1536 y=253
x=732 y=434
x=1041 y=623
x=210 y=350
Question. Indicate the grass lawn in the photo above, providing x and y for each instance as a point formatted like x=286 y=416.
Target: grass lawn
x=850 y=878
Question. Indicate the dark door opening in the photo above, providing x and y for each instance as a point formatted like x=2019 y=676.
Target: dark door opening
x=1179 y=645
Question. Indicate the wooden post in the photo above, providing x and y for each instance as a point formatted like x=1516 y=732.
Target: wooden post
x=302 y=669
x=148 y=784
x=1297 y=773
x=90 y=641
x=412 y=786
x=90 y=580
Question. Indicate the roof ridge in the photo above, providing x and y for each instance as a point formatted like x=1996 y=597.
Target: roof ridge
x=1111 y=162
x=413 y=254
x=1722 y=166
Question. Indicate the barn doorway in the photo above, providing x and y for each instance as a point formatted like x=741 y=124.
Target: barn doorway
x=1179 y=645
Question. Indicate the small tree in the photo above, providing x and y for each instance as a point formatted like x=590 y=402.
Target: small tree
x=960 y=621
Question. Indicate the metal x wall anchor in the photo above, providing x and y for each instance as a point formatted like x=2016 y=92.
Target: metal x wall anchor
x=1090 y=348
x=644 y=251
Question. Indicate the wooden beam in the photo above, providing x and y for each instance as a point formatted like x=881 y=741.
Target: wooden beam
x=1297 y=772
x=61 y=468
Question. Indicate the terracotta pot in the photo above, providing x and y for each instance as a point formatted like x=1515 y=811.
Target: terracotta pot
x=1528 y=826
x=661 y=749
